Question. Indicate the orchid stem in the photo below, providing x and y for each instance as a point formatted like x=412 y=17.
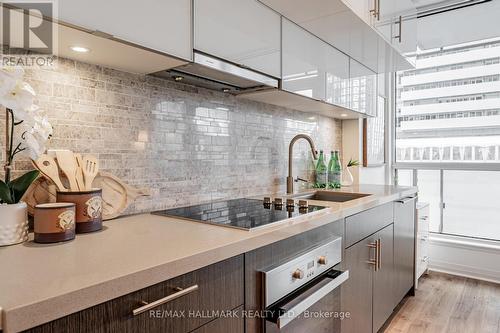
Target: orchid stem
x=9 y=143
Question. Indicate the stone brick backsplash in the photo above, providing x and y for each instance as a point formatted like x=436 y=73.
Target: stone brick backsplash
x=187 y=144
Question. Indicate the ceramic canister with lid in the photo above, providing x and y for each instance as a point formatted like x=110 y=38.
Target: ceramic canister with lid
x=54 y=222
x=88 y=208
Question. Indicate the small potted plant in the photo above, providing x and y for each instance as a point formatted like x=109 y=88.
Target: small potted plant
x=27 y=131
x=348 y=179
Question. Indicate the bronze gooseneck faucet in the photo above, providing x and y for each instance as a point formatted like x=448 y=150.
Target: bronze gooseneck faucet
x=289 y=179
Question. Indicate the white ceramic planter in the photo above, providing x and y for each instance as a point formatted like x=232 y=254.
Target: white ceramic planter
x=13 y=224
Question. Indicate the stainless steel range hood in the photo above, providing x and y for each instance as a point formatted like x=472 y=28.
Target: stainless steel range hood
x=213 y=73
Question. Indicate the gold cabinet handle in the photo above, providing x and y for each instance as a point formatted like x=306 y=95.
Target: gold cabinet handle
x=374 y=10
x=379 y=253
x=169 y=298
x=398 y=37
x=373 y=262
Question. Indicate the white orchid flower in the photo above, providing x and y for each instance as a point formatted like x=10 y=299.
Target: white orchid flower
x=35 y=135
x=42 y=128
x=19 y=98
x=27 y=115
x=33 y=147
x=9 y=77
x=16 y=72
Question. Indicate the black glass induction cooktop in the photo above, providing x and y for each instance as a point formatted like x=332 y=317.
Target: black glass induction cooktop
x=238 y=213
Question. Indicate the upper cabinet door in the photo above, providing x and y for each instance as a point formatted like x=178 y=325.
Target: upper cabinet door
x=362 y=8
x=363 y=84
x=397 y=22
x=312 y=67
x=245 y=32
x=337 y=78
x=304 y=62
x=161 y=25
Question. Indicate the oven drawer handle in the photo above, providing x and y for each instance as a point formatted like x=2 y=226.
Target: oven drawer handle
x=286 y=317
x=169 y=298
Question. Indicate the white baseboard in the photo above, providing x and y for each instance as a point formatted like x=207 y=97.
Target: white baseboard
x=465 y=271
x=477 y=259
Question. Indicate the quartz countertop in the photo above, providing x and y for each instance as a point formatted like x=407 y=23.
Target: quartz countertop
x=40 y=283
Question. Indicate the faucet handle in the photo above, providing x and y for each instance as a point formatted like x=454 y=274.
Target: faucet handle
x=301 y=179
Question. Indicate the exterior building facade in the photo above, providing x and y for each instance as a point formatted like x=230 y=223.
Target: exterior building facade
x=448 y=108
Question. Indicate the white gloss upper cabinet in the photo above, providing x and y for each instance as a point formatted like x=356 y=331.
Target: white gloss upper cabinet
x=304 y=62
x=394 y=20
x=245 y=32
x=363 y=89
x=337 y=78
x=312 y=67
x=362 y=8
x=405 y=35
x=161 y=25
x=397 y=22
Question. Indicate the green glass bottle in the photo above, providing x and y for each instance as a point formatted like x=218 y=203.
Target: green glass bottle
x=331 y=175
x=334 y=170
x=321 y=172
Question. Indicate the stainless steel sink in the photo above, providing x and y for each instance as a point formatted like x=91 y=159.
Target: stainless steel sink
x=330 y=196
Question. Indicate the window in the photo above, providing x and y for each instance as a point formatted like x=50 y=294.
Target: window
x=448 y=136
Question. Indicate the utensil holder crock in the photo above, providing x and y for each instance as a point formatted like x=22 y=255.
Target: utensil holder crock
x=88 y=214
x=54 y=222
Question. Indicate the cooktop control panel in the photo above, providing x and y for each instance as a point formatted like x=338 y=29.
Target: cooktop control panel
x=283 y=279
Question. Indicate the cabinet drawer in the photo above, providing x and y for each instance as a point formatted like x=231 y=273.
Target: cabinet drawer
x=220 y=288
x=422 y=265
x=366 y=223
x=229 y=324
x=423 y=224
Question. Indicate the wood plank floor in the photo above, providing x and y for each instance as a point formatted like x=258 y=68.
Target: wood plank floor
x=451 y=304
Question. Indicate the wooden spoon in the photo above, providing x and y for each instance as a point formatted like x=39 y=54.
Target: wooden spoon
x=67 y=163
x=90 y=169
x=79 y=172
x=48 y=167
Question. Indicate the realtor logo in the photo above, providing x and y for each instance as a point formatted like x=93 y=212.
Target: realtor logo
x=28 y=35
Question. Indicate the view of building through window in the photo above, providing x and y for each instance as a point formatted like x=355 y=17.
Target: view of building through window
x=448 y=111
x=448 y=108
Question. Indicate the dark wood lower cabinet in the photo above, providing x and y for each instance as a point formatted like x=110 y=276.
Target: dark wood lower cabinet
x=383 y=279
x=357 y=292
x=228 y=324
x=368 y=294
x=220 y=288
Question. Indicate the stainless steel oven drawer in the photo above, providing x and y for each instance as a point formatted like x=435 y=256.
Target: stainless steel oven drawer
x=313 y=307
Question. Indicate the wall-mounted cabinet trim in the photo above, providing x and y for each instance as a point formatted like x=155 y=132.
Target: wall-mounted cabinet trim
x=297 y=102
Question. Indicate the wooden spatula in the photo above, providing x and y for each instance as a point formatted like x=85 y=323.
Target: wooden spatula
x=48 y=167
x=90 y=169
x=67 y=163
x=79 y=172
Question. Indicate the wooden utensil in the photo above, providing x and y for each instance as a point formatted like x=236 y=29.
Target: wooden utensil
x=90 y=168
x=79 y=172
x=116 y=195
x=40 y=191
x=48 y=166
x=67 y=163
